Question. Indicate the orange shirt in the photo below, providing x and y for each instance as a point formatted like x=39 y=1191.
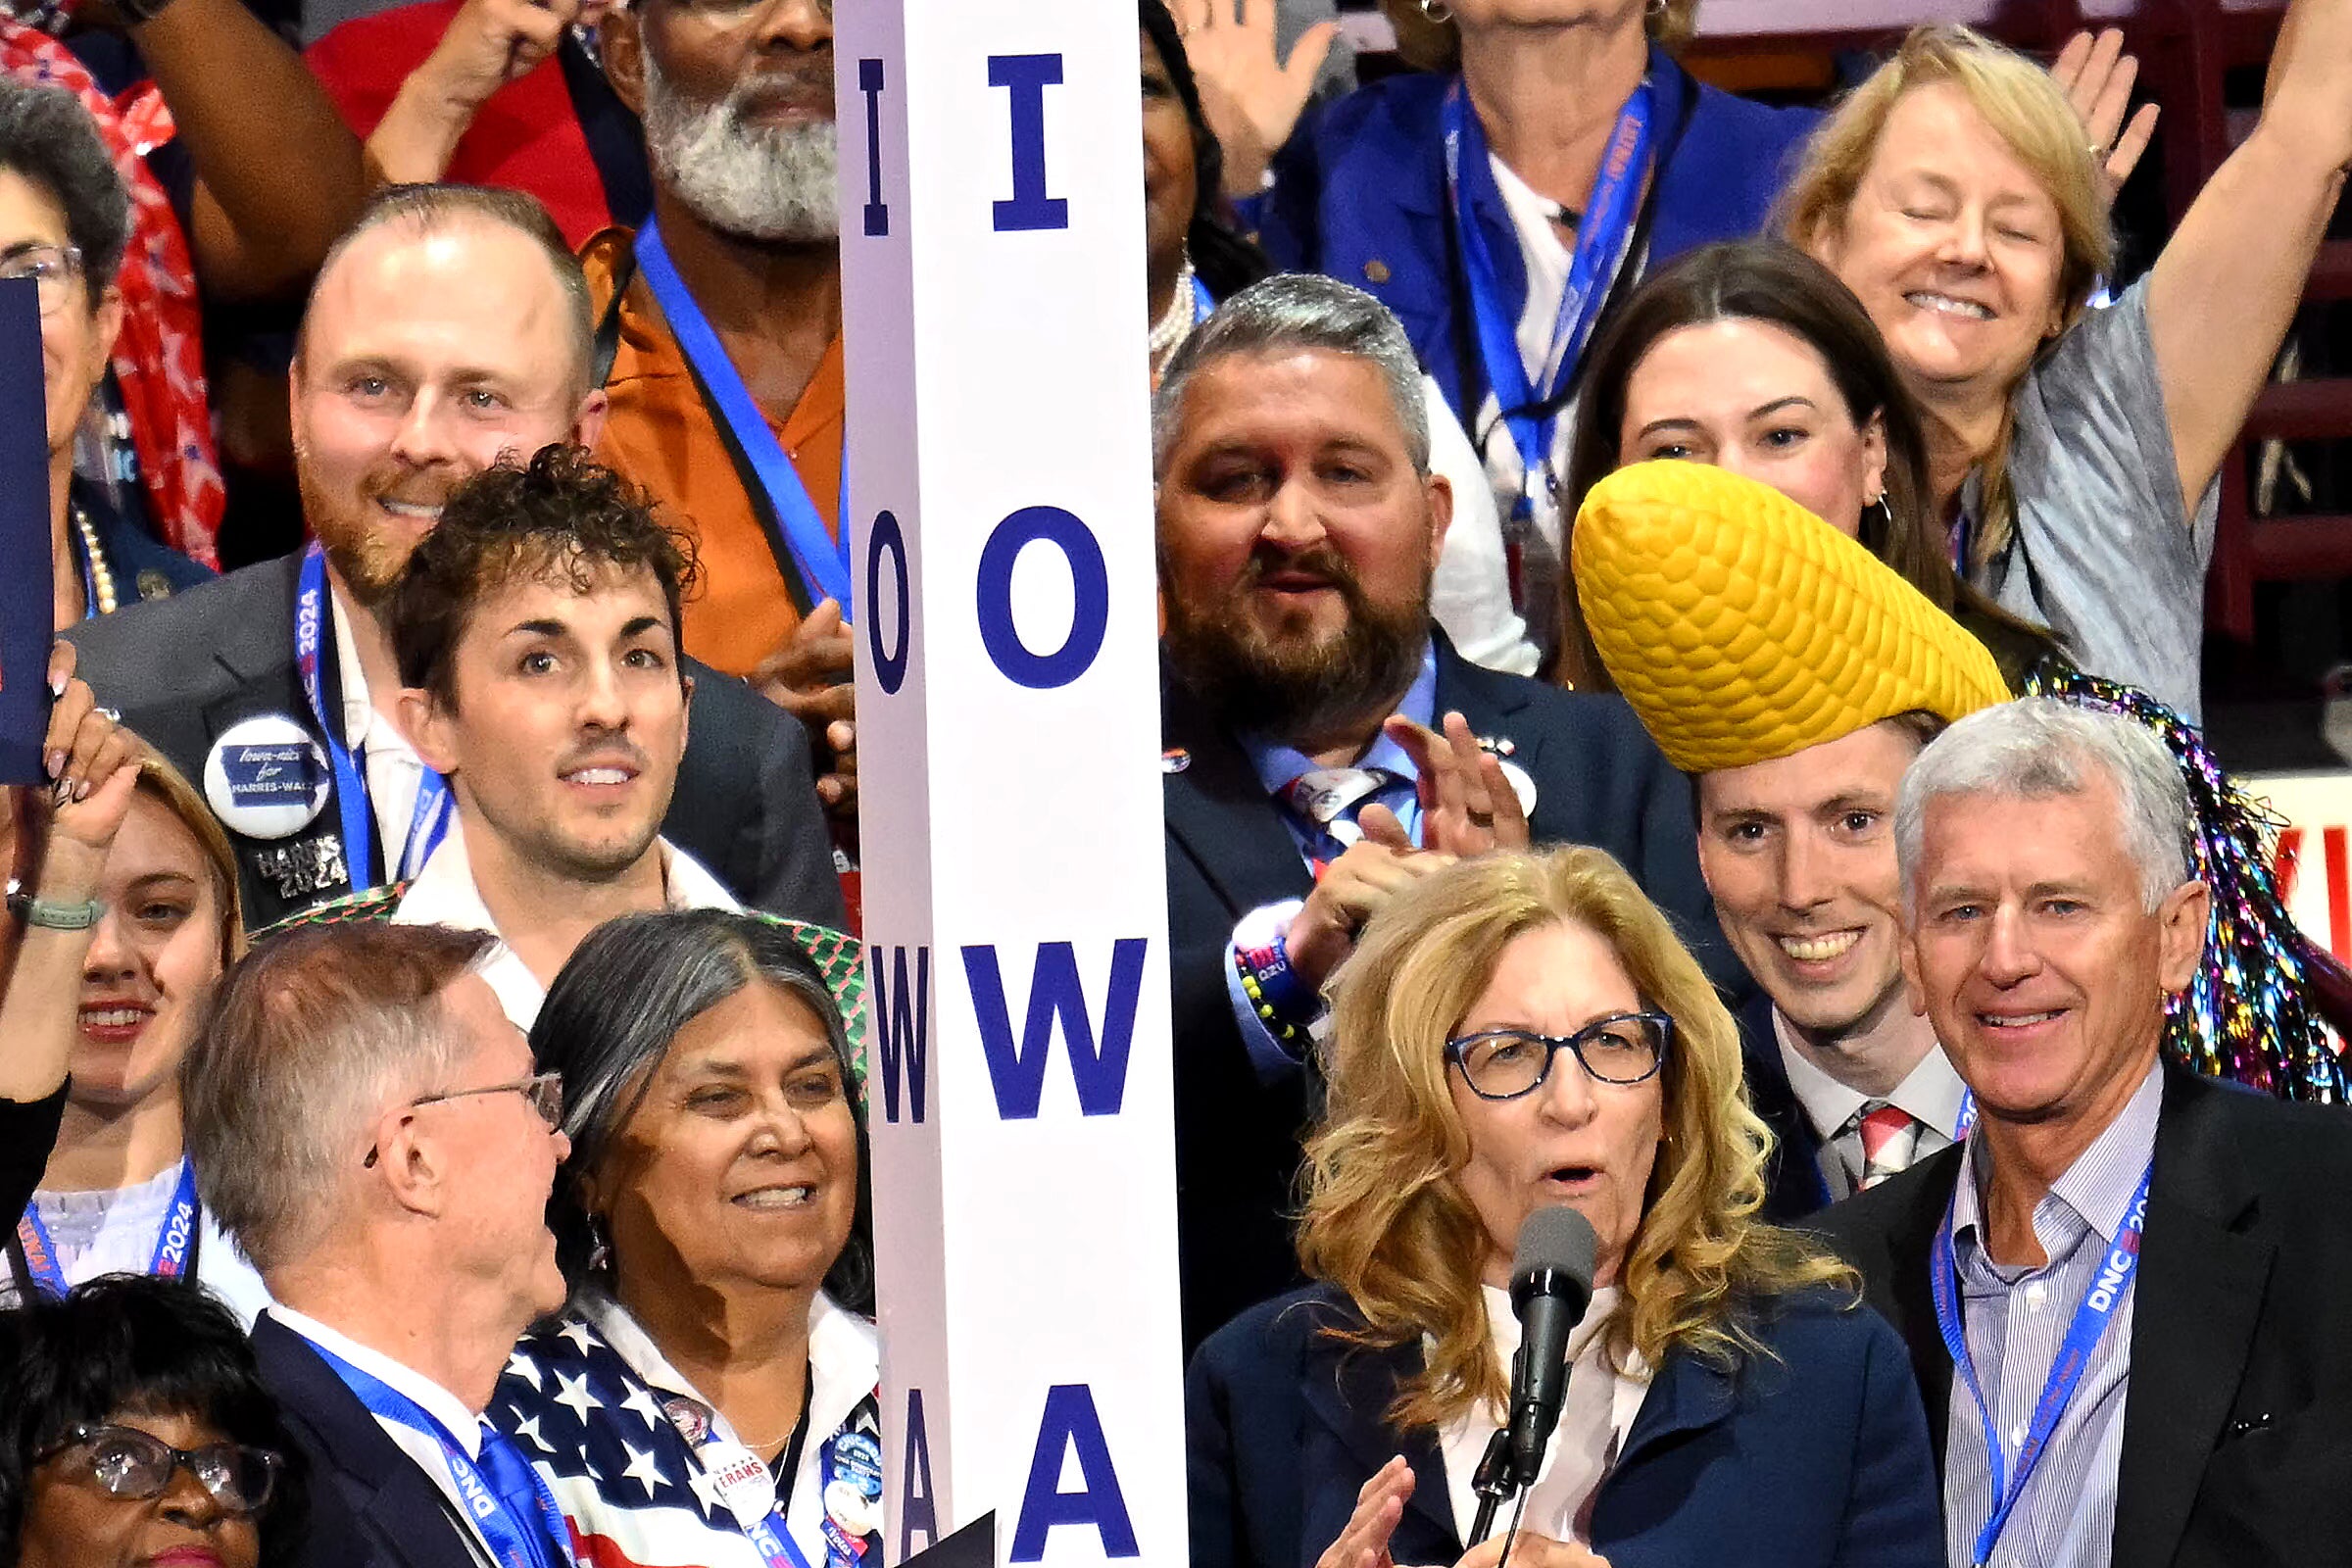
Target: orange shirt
x=661 y=437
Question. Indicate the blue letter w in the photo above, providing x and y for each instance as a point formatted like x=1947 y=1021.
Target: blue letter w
x=1018 y=1069
x=901 y=1016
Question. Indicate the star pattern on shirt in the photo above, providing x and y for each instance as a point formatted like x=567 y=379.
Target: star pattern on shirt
x=580 y=1334
x=705 y=1489
x=574 y=1395
x=644 y=1470
x=522 y=1366
x=522 y=1426
x=640 y=1402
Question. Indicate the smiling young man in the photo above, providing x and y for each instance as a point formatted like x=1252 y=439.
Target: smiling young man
x=2133 y=1266
x=536 y=633
x=447 y=330
x=1298 y=527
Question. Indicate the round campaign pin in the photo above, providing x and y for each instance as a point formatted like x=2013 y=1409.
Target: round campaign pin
x=853 y=1484
x=745 y=1485
x=267 y=778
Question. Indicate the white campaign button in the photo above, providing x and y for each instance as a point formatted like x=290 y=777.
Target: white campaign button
x=267 y=778
x=744 y=1482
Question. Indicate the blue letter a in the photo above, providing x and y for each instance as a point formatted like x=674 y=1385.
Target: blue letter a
x=917 y=1509
x=1018 y=1069
x=901 y=1016
x=1071 y=1423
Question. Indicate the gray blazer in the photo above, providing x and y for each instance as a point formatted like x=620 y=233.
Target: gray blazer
x=182 y=670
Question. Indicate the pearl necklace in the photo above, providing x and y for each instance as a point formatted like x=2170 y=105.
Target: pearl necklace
x=102 y=575
x=1175 y=324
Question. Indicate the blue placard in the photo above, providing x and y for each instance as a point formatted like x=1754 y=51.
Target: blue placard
x=26 y=599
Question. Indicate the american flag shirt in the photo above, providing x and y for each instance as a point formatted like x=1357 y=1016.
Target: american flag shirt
x=620 y=1435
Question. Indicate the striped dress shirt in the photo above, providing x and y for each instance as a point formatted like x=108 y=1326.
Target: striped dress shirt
x=2013 y=1319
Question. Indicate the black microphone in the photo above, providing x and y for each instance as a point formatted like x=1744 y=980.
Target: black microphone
x=1551 y=1283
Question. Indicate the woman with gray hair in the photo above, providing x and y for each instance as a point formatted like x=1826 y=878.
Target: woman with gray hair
x=64 y=219
x=712 y=1384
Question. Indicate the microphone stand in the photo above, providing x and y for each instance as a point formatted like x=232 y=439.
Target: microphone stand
x=1493 y=1481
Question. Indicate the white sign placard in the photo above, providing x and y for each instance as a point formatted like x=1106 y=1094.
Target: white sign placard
x=1020 y=1087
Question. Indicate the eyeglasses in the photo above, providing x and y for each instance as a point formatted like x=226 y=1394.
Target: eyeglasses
x=133 y=1464
x=545 y=1092
x=52 y=268
x=1625 y=1048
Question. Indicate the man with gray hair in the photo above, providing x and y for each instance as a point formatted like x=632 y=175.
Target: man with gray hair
x=368 y=1125
x=726 y=375
x=2132 y=1268
x=1304 y=689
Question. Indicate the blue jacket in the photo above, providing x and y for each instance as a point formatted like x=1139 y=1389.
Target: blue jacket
x=1816 y=1455
x=1359 y=194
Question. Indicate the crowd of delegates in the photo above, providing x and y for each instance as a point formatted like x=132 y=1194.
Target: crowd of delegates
x=1680 y=674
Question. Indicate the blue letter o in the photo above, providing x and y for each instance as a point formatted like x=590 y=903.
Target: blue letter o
x=1090 y=593
x=889 y=667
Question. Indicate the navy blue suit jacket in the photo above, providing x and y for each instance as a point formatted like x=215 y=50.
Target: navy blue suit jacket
x=370 y=1506
x=1599 y=779
x=1794 y=1186
x=1359 y=194
x=1812 y=1456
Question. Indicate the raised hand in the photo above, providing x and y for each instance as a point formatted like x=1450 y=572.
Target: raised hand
x=810 y=678
x=2097 y=77
x=1252 y=98
x=1467 y=804
x=93 y=763
x=1379 y=1505
x=1352 y=889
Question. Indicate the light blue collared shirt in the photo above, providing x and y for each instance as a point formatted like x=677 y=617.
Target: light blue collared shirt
x=2013 y=1319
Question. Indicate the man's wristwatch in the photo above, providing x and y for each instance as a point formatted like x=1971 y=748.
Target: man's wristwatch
x=50 y=916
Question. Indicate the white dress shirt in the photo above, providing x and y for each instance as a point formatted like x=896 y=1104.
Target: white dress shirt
x=444 y=893
x=1931 y=1094
x=395 y=773
x=429 y=1396
x=1598 y=1411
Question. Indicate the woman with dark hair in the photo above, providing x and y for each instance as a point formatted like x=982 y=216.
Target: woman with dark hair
x=715 y=1222
x=133 y=1425
x=1752 y=356
x=65 y=220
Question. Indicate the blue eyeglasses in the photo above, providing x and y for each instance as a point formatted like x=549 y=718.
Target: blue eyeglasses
x=1625 y=1048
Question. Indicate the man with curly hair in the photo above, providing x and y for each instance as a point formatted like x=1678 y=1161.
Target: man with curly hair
x=536 y=634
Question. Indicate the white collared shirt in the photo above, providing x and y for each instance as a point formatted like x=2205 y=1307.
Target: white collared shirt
x=395 y=773
x=423 y=1448
x=444 y=893
x=1931 y=1094
x=1597 y=1413
x=845 y=1365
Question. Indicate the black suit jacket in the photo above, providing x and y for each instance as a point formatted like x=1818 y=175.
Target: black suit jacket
x=370 y=1506
x=1600 y=780
x=181 y=670
x=1794 y=1186
x=2237 y=1421
x=1811 y=1455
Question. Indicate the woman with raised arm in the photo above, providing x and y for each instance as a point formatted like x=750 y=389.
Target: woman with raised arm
x=2075 y=452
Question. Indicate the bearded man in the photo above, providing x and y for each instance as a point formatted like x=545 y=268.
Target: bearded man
x=447 y=330
x=1305 y=783
x=719 y=341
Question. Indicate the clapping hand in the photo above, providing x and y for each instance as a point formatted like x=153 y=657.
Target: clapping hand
x=1467 y=804
x=810 y=678
x=1364 y=1542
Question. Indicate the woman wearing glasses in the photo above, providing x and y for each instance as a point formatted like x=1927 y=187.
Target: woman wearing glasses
x=710 y=1395
x=1517 y=1032
x=65 y=219
x=134 y=1431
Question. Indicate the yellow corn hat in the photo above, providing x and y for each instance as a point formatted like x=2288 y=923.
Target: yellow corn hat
x=1741 y=627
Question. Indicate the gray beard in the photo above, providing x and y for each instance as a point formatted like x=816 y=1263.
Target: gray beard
x=770 y=183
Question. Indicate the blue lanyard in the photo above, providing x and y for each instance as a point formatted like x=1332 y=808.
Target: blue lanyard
x=1967 y=1121
x=1203 y=302
x=428 y=822
x=171 y=1244
x=511 y=1540
x=2106 y=1293
x=824 y=560
x=1600 y=246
